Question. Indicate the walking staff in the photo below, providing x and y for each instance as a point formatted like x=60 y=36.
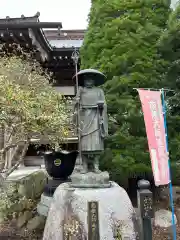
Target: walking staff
x=75 y=57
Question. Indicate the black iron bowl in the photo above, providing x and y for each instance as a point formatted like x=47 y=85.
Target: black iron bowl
x=60 y=165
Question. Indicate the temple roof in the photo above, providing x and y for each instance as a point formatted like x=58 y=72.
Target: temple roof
x=53 y=47
x=65 y=38
x=65 y=34
x=30 y=33
x=27 y=32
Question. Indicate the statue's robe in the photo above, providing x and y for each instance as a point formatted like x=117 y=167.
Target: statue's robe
x=94 y=128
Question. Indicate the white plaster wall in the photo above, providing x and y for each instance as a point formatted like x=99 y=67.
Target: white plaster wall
x=66 y=90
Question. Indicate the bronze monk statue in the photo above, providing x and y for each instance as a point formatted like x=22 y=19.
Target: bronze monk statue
x=93 y=118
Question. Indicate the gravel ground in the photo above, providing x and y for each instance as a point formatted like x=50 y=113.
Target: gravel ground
x=159 y=233
x=9 y=231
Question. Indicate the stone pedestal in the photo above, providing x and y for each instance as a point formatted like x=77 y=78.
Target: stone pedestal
x=70 y=205
x=90 y=180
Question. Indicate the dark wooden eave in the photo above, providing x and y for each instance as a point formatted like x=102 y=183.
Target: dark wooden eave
x=28 y=33
x=25 y=25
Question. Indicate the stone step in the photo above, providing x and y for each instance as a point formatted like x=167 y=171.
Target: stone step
x=21 y=173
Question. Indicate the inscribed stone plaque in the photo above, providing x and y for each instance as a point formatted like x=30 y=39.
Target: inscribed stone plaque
x=145 y=203
x=93 y=221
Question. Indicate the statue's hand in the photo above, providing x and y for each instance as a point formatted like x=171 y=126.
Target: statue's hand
x=75 y=113
x=77 y=99
x=100 y=104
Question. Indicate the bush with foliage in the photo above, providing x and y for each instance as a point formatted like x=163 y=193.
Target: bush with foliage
x=121 y=41
x=28 y=105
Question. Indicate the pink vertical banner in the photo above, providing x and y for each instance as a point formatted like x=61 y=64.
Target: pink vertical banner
x=155 y=130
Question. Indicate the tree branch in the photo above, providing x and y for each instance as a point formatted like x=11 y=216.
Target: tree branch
x=1 y=136
x=6 y=174
x=5 y=149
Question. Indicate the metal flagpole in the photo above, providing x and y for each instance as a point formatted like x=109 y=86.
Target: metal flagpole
x=170 y=184
x=75 y=57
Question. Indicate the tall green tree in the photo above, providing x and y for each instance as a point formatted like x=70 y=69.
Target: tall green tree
x=169 y=48
x=121 y=41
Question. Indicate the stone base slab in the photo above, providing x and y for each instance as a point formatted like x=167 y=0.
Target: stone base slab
x=90 y=180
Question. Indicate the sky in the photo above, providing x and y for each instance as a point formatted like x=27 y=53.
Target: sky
x=72 y=13
x=173 y=2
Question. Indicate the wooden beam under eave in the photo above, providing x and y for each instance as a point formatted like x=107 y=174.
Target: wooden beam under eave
x=2 y=37
x=45 y=141
x=21 y=36
x=14 y=37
